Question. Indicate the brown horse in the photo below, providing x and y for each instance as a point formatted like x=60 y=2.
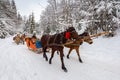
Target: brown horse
x=17 y=39
x=85 y=37
x=55 y=42
x=22 y=38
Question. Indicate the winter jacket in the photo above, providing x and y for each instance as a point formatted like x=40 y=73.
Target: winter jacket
x=33 y=46
x=27 y=40
x=38 y=44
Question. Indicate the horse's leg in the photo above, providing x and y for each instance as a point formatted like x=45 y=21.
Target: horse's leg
x=23 y=42
x=52 y=55
x=77 y=50
x=44 y=53
x=62 y=61
x=58 y=53
x=69 y=53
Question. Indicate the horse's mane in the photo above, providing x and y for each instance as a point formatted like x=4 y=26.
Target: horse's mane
x=71 y=29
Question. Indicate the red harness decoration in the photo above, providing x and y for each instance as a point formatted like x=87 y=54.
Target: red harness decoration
x=67 y=35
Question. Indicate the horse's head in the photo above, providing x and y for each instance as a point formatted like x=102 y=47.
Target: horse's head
x=23 y=36
x=73 y=32
x=86 y=37
x=14 y=38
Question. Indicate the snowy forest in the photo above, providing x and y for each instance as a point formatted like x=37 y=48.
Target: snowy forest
x=91 y=15
x=85 y=15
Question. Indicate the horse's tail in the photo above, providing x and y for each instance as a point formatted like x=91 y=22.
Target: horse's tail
x=44 y=39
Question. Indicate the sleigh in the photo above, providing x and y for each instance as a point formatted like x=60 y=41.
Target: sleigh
x=34 y=45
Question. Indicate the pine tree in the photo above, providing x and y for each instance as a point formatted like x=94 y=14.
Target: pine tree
x=30 y=24
x=19 y=17
x=13 y=6
x=5 y=2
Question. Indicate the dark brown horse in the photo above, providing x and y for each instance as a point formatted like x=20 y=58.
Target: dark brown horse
x=55 y=42
x=85 y=37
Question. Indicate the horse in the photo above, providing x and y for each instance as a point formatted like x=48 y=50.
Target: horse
x=85 y=37
x=22 y=38
x=17 y=39
x=55 y=42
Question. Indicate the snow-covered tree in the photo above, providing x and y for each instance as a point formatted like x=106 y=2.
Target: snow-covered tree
x=95 y=15
x=13 y=6
x=8 y=17
x=30 y=24
x=19 y=19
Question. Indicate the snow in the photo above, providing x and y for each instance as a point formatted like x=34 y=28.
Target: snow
x=101 y=61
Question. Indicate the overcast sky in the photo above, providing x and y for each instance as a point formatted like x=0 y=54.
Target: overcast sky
x=26 y=7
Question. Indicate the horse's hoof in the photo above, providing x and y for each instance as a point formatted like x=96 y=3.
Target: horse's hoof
x=67 y=56
x=46 y=59
x=50 y=62
x=64 y=69
x=80 y=61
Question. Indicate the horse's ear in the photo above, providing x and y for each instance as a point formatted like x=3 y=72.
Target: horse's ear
x=71 y=29
x=85 y=33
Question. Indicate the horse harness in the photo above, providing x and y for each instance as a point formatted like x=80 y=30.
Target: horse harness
x=61 y=38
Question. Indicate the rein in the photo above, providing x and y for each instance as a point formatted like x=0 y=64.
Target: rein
x=99 y=34
x=92 y=36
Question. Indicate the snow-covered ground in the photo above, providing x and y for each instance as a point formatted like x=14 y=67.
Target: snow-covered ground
x=101 y=61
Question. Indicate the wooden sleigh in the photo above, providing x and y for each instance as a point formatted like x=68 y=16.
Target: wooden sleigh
x=34 y=45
